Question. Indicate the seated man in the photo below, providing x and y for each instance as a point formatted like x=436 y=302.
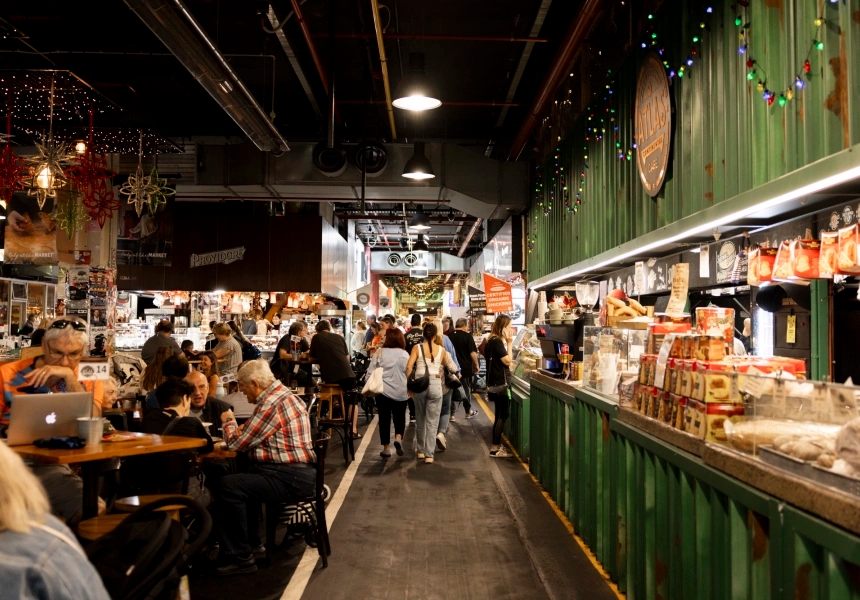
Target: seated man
x=175 y=366
x=203 y=406
x=330 y=351
x=173 y=418
x=281 y=449
x=56 y=371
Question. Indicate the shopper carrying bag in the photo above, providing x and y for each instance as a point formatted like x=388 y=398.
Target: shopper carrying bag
x=498 y=378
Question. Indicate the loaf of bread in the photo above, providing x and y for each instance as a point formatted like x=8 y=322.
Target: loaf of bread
x=748 y=435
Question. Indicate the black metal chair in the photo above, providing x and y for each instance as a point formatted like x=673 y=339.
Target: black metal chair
x=335 y=398
x=312 y=508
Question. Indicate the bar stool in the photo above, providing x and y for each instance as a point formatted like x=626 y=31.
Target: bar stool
x=332 y=395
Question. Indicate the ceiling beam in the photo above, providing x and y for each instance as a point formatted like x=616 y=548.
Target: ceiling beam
x=371 y=218
x=439 y=37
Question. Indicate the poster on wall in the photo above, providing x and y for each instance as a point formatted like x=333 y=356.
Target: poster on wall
x=146 y=239
x=499 y=298
x=30 y=232
x=477 y=300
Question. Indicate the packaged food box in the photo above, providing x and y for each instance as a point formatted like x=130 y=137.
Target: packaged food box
x=828 y=264
x=847 y=261
x=760 y=269
x=716 y=383
x=716 y=321
x=664 y=409
x=657 y=333
x=671 y=377
x=676 y=318
x=687 y=377
x=805 y=255
x=694 y=418
x=716 y=416
x=679 y=408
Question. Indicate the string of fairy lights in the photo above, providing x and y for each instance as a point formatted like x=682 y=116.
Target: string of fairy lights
x=600 y=116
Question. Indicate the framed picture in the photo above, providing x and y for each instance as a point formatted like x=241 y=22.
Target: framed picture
x=19 y=291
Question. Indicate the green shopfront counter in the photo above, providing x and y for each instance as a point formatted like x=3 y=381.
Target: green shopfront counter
x=671 y=517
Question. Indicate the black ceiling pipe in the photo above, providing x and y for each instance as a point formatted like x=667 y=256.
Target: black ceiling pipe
x=173 y=24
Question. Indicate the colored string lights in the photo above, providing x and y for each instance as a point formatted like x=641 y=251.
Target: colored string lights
x=755 y=70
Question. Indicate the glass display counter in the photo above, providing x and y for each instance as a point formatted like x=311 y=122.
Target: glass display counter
x=526 y=355
x=609 y=353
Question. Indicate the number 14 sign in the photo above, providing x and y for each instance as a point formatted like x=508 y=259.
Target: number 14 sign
x=93 y=371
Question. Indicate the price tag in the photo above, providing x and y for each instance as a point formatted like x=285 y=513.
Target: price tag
x=94 y=371
x=791 y=330
x=779 y=397
x=663 y=360
x=295 y=338
x=228 y=378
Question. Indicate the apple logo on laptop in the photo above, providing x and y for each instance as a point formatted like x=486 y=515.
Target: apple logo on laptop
x=51 y=419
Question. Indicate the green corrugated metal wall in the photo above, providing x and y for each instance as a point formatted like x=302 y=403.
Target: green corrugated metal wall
x=726 y=139
x=666 y=525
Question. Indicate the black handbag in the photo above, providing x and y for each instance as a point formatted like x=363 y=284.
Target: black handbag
x=498 y=389
x=452 y=382
x=419 y=384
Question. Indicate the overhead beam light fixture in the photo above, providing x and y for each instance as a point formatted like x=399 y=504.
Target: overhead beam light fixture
x=416 y=91
x=419 y=166
x=420 y=245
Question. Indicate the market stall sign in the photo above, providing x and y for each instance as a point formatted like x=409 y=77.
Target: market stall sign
x=477 y=300
x=653 y=124
x=499 y=296
x=219 y=256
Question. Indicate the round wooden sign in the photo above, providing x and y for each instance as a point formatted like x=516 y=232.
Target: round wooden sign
x=653 y=124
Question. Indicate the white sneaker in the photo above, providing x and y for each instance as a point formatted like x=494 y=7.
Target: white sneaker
x=419 y=455
x=452 y=418
x=441 y=442
x=471 y=414
x=500 y=453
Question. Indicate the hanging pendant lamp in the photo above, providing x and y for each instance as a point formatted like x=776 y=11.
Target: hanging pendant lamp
x=420 y=245
x=419 y=221
x=419 y=166
x=416 y=91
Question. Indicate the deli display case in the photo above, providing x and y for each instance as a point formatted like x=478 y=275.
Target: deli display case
x=526 y=356
x=608 y=354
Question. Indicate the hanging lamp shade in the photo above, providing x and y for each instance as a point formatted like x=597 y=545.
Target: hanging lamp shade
x=416 y=91
x=420 y=245
x=419 y=166
x=419 y=221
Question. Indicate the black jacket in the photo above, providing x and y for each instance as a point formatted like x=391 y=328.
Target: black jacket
x=212 y=414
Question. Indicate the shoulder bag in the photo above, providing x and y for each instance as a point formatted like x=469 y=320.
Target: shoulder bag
x=452 y=382
x=373 y=387
x=419 y=384
x=497 y=389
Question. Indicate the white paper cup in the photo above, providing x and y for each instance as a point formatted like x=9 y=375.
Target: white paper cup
x=91 y=429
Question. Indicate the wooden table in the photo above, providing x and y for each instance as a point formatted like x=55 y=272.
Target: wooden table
x=91 y=458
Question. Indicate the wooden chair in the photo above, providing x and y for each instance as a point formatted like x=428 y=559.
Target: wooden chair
x=132 y=503
x=93 y=529
x=332 y=396
x=312 y=507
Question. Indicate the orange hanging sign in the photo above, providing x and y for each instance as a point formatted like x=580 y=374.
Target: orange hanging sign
x=498 y=294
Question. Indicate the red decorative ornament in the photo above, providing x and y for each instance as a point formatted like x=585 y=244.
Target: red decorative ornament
x=89 y=173
x=750 y=63
x=13 y=172
x=806 y=66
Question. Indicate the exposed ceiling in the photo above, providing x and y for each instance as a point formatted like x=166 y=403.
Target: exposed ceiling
x=468 y=51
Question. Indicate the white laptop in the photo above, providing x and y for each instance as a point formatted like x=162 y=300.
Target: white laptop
x=37 y=416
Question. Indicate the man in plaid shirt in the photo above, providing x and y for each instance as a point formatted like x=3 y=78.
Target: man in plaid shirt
x=280 y=445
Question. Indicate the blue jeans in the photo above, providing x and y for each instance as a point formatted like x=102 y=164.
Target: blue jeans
x=445 y=415
x=427 y=411
x=243 y=494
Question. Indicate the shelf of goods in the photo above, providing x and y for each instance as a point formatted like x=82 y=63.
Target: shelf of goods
x=746 y=487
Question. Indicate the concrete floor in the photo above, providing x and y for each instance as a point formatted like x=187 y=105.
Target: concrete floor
x=465 y=527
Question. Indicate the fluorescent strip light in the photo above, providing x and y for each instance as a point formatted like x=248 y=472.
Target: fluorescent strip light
x=708 y=227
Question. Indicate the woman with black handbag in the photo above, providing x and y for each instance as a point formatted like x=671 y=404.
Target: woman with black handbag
x=498 y=376
x=424 y=374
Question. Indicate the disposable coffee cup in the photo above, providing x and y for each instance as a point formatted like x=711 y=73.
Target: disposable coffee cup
x=295 y=355
x=91 y=429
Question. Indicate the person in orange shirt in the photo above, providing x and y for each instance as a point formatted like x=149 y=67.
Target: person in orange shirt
x=63 y=347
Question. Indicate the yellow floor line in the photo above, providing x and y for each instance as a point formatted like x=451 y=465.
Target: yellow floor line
x=558 y=512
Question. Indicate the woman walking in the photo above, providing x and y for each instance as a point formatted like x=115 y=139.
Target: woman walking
x=392 y=358
x=498 y=361
x=428 y=357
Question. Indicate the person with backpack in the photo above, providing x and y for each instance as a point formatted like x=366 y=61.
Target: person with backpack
x=249 y=350
x=39 y=556
x=498 y=375
x=414 y=337
x=427 y=360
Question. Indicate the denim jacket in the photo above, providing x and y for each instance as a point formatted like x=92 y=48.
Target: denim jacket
x=41 y=565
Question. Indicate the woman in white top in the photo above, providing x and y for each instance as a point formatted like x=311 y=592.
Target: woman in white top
x=392 y=358
x=357 y=342
x=428 y=404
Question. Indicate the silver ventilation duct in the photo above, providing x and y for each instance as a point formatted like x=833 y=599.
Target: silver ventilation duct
x=174 y=25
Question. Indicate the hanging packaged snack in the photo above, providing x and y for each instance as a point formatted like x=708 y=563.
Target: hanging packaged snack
x=761 y=263
x=848 y=239
x=827 y=260
x=805 y=257
x=783 y=270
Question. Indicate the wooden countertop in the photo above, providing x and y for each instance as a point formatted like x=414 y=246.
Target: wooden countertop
x=144 y=444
